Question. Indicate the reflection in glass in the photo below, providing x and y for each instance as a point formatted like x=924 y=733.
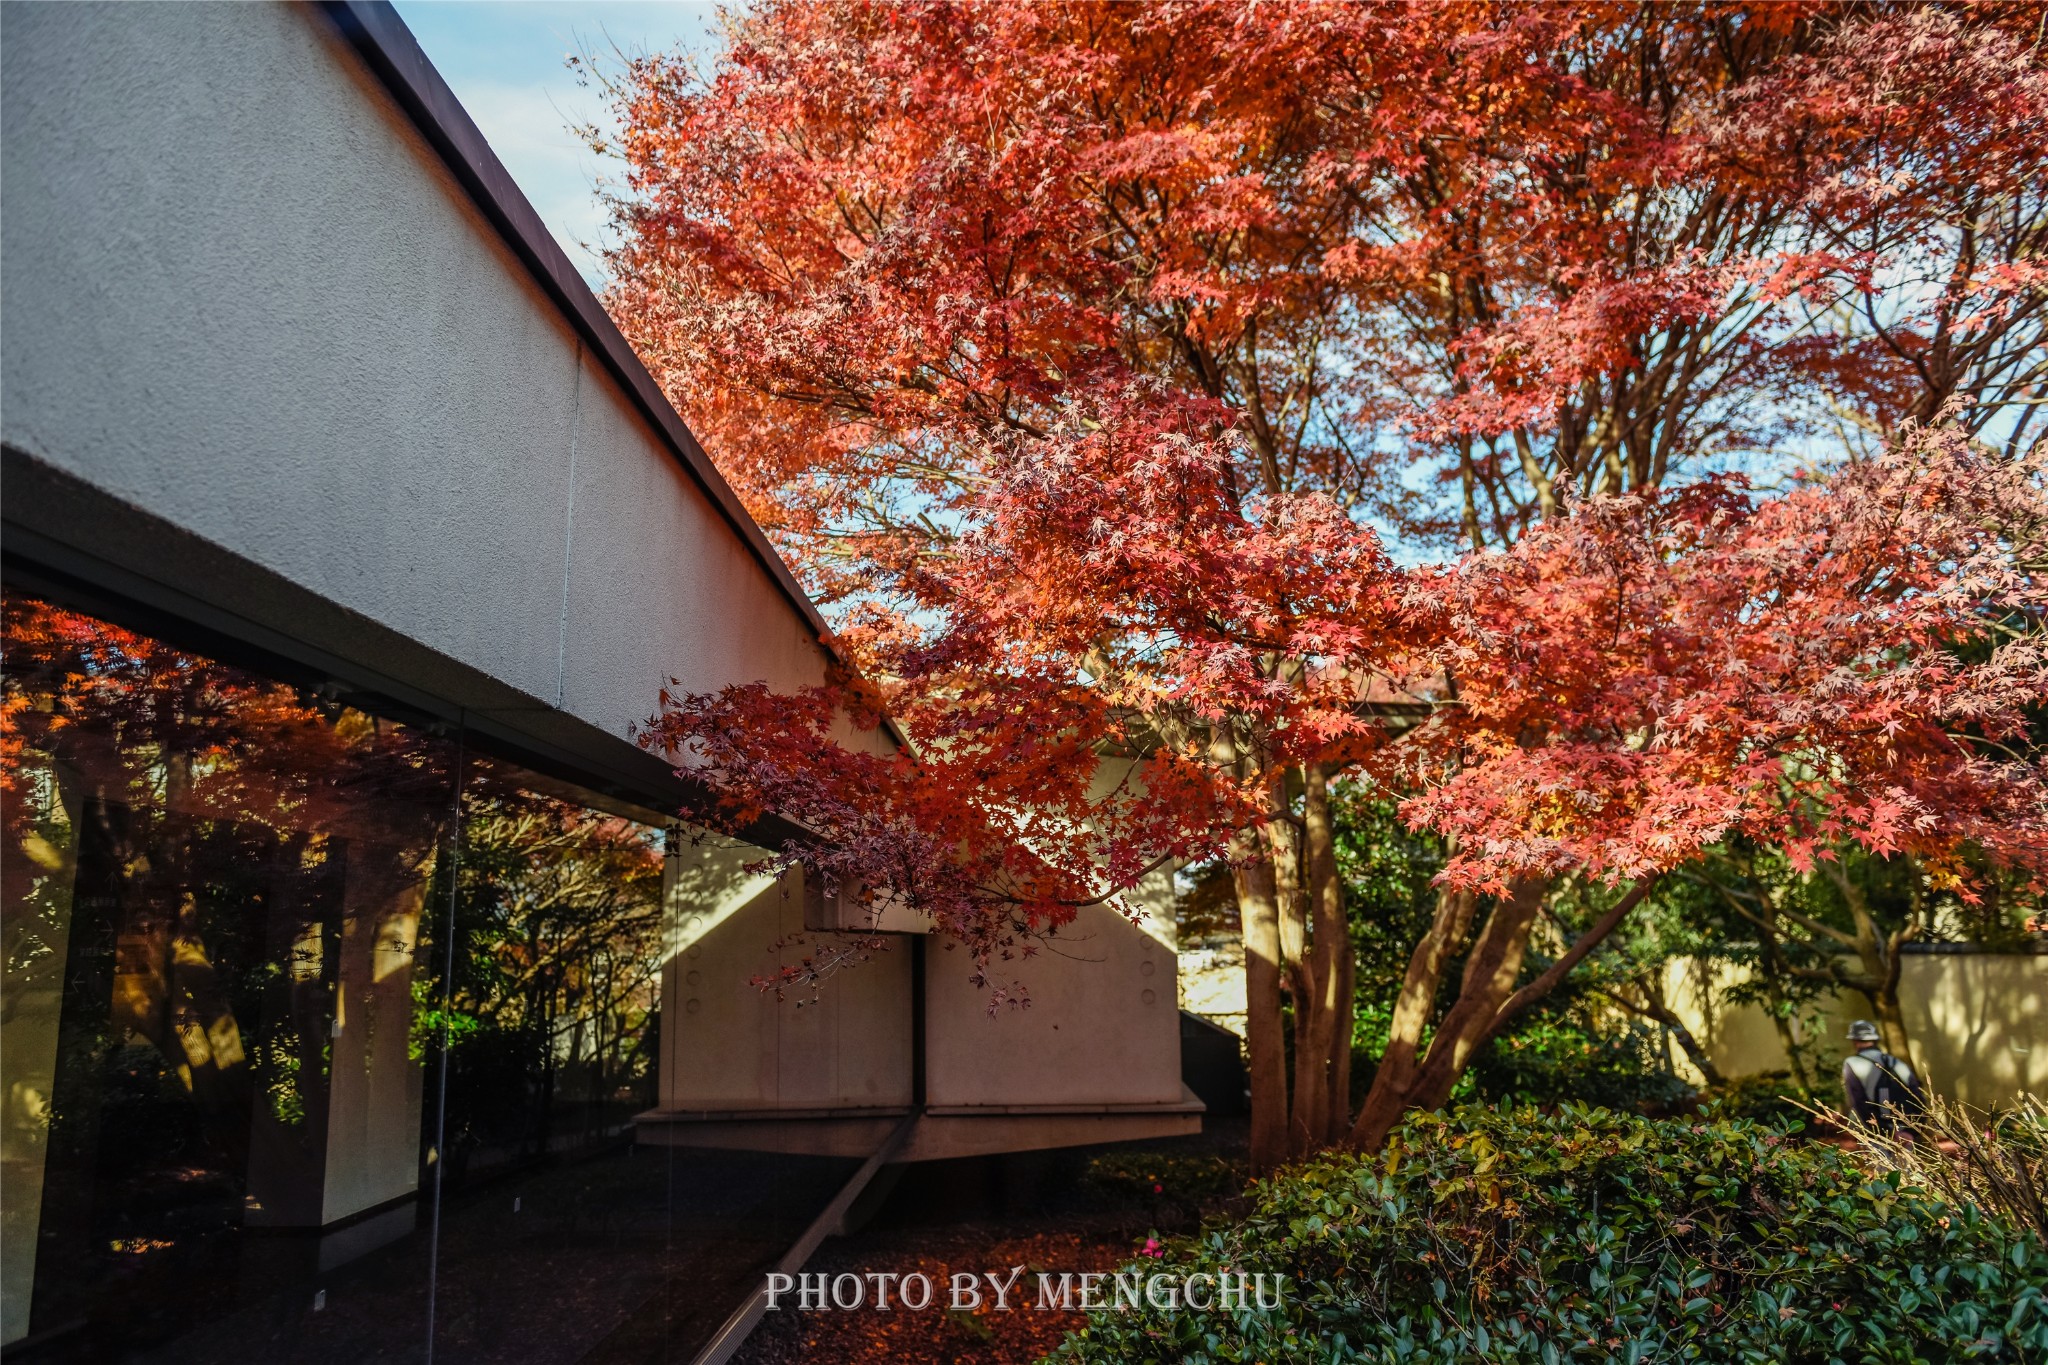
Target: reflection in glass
x=556 y=981
x=239 y=947
x=213 y=892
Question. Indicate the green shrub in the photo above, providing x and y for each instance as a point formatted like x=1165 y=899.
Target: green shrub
x=1558 y=1056
x=1769 y=1097
x=1563 y=1059
x=1584 y=1235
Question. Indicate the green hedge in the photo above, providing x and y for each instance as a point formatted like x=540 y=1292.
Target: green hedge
x=1584 y=1235
x=1769 y=1097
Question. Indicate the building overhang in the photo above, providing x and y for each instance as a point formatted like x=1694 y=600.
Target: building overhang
x=941 y=1130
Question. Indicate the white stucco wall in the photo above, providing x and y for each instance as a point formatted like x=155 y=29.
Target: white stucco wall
x=243 y=294
x=1102 y=1028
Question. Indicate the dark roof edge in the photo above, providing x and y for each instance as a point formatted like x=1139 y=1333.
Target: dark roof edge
x=376 y=32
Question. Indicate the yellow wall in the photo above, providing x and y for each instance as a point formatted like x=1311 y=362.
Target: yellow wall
x=1978 y=1022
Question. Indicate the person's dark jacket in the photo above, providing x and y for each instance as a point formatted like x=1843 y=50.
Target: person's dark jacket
x=1882 y=1090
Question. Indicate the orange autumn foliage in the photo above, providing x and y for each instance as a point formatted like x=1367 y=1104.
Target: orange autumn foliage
x=1087 y=358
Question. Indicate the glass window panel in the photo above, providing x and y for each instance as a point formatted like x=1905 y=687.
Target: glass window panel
x=556 y=983
x=213 y=898
x=562 y=1240
x=307 y=1060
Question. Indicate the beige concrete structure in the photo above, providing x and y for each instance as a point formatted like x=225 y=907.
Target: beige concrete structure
x=1978 y=1023
x=365 y=1151
x=728 y=1047
x=1094 y=1058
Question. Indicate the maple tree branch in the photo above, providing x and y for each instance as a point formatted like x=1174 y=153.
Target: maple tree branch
x=1577 y=953
x=1815 y=926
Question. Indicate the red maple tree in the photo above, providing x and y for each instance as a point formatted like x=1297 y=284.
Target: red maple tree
x=1079 y=355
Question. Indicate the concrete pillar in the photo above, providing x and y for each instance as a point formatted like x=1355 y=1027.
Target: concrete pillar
x=342 y=1134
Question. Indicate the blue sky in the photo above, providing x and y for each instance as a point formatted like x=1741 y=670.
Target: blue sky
x=504 y=60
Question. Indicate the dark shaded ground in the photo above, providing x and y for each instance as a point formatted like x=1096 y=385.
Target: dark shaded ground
x=1078 y=1210
x=636 y=1255
x=631 y=1256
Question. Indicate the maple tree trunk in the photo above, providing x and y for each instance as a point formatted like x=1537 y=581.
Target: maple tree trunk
x=1296 y=942
x=1340 y=1042
x=1424 y=1081
x=1318 y=975
x=1488 y=1000
x=1284 y=839
x=1878 y=955
x=1394 y=1082
x=1491 y=970
x=1265 y=1048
